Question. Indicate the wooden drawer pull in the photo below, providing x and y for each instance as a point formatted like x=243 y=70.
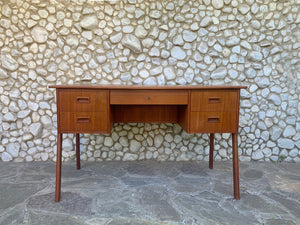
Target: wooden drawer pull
x=83 y=99
x=213 y=119
x=214 y=100
x=83 y=120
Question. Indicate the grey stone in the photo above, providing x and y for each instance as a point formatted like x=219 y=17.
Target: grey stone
x=189 y=75
x=134 y=146
x=262 y=82
x=251 y=73
x=68 y=145
x=139 y=13
x=124 y=141
x=218 y=4
x=3 y=74
x=154 y=51
x=52 y=67
x=257 y=155
x=243 y=9
x=275 y=99
x=232 y=41
x=289 y=131
x=9 y=63
x=130 y=157
x=219 y=73
x=275 y=50
x=116 y=38
x=101 y=58
x=206 y=21
x=285 y=143
x=255 y=56
x=132 y=42
x=13 y=149
x=140 y=31
x=169 y=73
x=23 y=113
x=246 y=45
x=89 y=22
x=148 y=42
x=178 y=53
x=5 y=23
x=108 y=141
x=158 y=140
x=6 y=10
x=46 y=121
x=5 y=157
x=39 y=34
x=9 y=117
x=150 y=81
x=178 y=40
x=189 y=36
x=293 y=153
x=36 y=129
x=156 y=71
x=203 y=47
x=155 y=14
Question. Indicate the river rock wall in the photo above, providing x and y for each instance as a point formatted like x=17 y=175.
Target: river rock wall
x=150 y=42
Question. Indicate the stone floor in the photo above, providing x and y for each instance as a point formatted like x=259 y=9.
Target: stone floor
x=149 y=192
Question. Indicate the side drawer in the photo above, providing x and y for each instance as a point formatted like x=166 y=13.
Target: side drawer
x=83 y=100
x=213 y=122
x=214 y=100
x=149 y=97
x=86 y=122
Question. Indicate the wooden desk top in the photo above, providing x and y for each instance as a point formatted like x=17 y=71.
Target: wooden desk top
x=145 y=87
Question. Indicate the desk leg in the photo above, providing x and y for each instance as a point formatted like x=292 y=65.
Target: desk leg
x=58 y=167
x=235 y=162
x=211 y=150
x=78 y=151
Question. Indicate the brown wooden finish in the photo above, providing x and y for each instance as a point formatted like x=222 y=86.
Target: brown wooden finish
x=198 y=109
x=58 y=167
x=212 y=122
x=148 y=97
x=150 y=87
x=83 y=100
x=211 y=150
x=214 y=100
x=145 y=113
x=77 y=152
x=84 y=122
x=235 y=166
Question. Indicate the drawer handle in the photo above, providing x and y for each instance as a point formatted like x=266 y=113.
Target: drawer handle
x=148 y=97
x=213 y=119
x=83 y=99
x=214 y=100
x=83 y=120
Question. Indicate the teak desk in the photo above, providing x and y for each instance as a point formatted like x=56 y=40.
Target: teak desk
x=198 y=109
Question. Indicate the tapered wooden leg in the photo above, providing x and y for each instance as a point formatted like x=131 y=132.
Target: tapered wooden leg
x=235 y=162
x=58 y=167
x=211 y=150
x=78 y=151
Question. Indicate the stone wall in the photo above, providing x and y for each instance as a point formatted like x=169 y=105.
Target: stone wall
x=150 y=42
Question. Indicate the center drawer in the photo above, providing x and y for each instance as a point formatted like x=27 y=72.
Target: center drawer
x=148 y=97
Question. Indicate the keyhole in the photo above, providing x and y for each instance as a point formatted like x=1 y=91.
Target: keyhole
x=148 y=97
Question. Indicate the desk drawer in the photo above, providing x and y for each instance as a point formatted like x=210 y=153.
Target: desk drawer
x=211 y=101
x=213 y=122
x=87 y=122
x=149 y=97
x=83 y=100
